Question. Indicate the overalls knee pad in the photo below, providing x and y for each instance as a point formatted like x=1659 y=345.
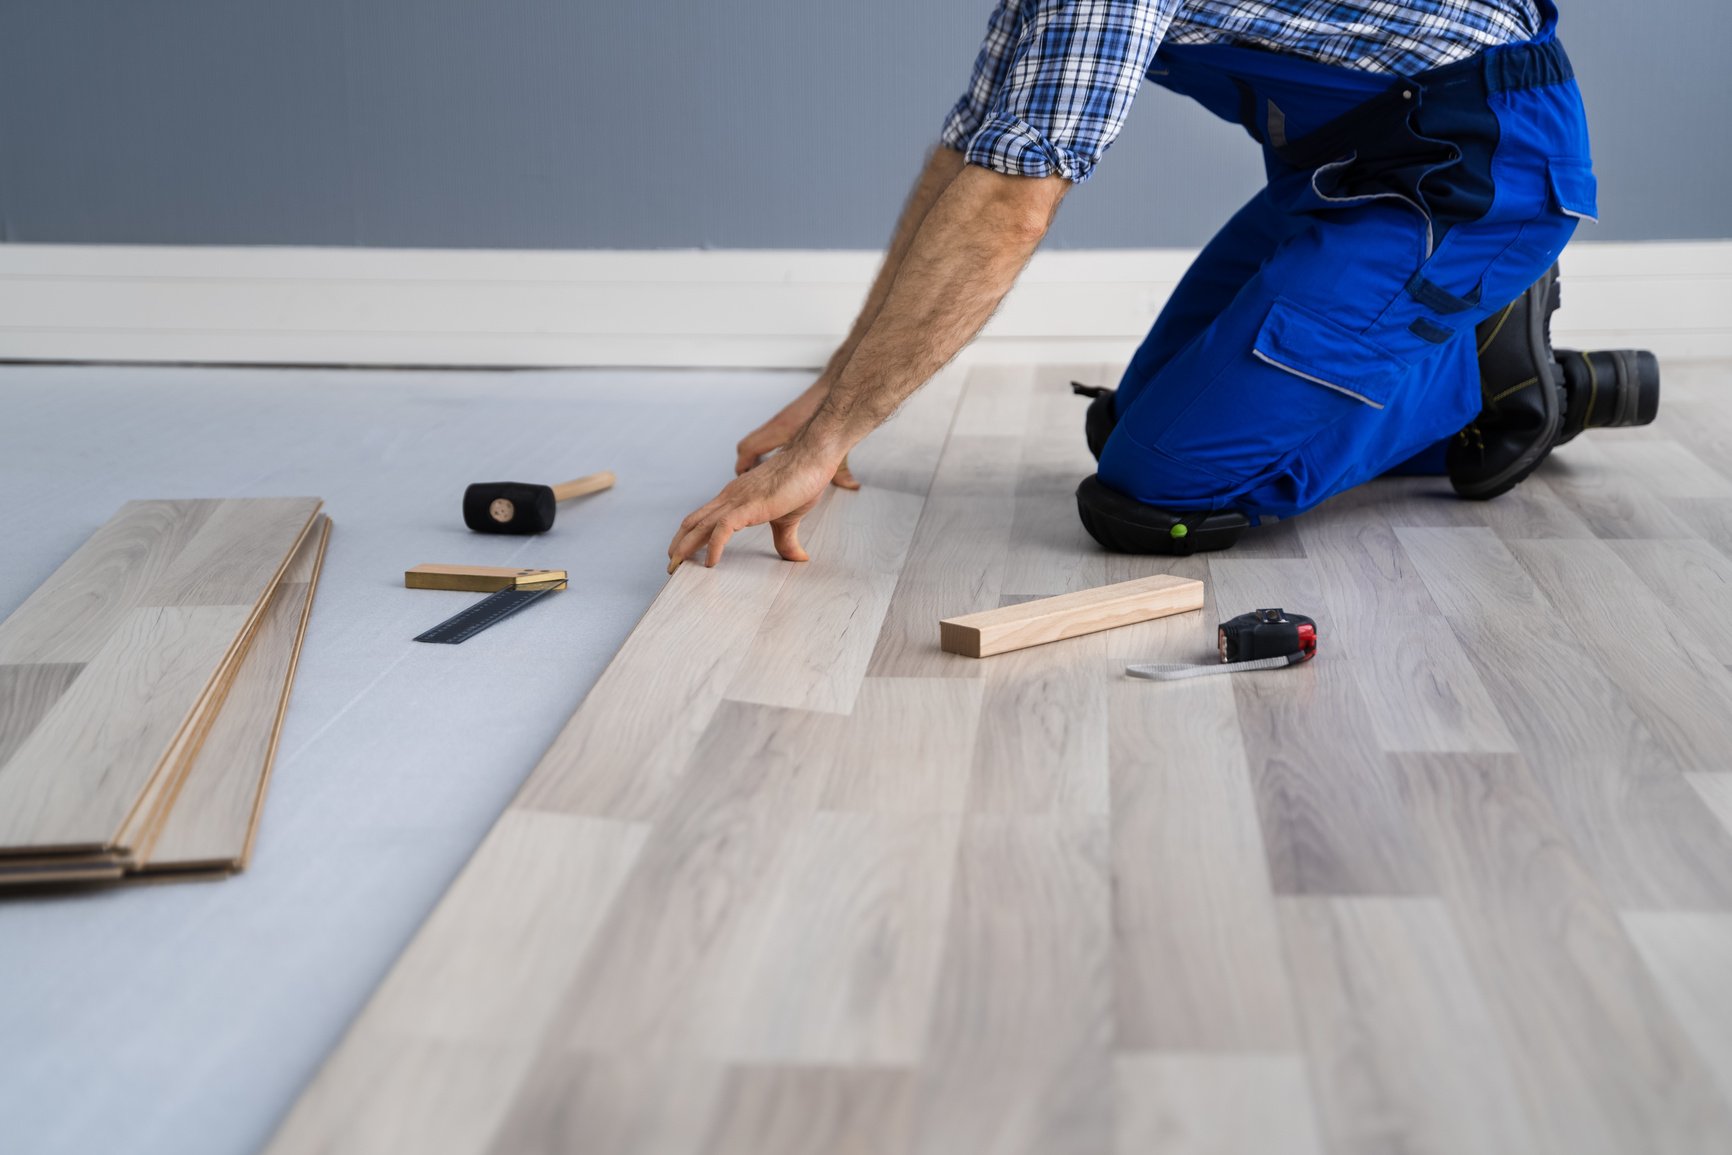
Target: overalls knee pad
x=1125 y=525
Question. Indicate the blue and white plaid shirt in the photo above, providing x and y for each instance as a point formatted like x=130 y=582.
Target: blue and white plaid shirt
x=1055 y=78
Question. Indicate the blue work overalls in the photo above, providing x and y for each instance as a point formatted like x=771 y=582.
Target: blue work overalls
x=1326 y=335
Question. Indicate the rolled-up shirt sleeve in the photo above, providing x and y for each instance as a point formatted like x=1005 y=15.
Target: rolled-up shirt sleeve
x=1053 y=83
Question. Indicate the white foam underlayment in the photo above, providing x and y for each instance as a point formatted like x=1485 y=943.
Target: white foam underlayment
x=183 y=1019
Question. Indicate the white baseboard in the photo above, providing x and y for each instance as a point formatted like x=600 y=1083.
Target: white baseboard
x=765 y=309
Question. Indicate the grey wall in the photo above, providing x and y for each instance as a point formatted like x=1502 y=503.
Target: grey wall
x=579 y=124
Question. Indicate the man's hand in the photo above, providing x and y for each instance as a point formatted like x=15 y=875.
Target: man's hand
x=781 y=491
x=780 y=429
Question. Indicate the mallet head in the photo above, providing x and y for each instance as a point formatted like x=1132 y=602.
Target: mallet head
x=508 y=507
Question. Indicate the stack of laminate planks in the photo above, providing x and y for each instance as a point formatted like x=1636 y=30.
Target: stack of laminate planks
x=142 y=689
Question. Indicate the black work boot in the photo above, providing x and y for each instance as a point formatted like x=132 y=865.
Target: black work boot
x=1522 y=394
x=1607 y=389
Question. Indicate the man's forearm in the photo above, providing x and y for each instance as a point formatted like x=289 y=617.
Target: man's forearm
x=940 y=169
x=964 y=257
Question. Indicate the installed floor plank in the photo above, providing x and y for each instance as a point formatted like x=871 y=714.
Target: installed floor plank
x=1458 y=885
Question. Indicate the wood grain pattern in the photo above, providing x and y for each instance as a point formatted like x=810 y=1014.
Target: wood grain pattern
x=807 y=883
x=1600 y=1062
x=1643 y=832
x=1185 y=1104
x=1393 y=1072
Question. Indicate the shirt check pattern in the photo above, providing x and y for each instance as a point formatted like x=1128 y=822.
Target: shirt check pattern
x=1054 y=79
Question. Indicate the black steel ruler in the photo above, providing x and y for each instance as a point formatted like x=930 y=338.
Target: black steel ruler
x=488 y=611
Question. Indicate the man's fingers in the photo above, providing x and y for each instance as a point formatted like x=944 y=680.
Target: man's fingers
x=787 y=538
x=686 y=543
x=718 y=538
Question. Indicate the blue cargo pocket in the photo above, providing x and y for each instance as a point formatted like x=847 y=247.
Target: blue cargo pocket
x=1308 y=373
x=1575 y=191
x=1316 y=349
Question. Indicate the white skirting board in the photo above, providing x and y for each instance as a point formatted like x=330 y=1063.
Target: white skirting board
x=756 y=309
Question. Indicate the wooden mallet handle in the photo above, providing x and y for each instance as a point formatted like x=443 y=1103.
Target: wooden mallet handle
x=594 y=483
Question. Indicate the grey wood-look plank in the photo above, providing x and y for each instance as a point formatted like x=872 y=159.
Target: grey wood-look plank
x=1332 y=821
x=215 y=810
x=1196 y=950
x=71 y=615
x=1692 y=579
x=1229 y=1104
x=1690 y=955
x=1677 y=688
x=622 y=753
x=908 y=747
x=1532 y=510
x=1645 y=835
x=1018 y=1059
x=496 y=957
x=1404 y=500
x=1042 y=741
x=1051 y=552
x=1716 y=791
x=1420 y=688
x=820 y=632
x=1403 y=1052
x=438 y=1056
x=848 y=966
x=1600 y=1062
x=1708 y=518
x=612 y=1104
x=1615 y=502
x=957 y=558
x=677 y=955
x=801 y=1110
x=1666 y=468
x=387 y=1094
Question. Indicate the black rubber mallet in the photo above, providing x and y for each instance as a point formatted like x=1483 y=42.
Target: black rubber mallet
x=514 y=507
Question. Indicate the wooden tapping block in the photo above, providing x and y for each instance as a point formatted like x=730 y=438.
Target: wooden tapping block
x=1068 y=615
x=478 y=578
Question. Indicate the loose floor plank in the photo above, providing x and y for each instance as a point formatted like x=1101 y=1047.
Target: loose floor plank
x=203 y=572
x=215 y=812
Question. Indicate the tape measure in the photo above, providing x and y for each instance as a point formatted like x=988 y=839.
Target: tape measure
x=489 y=611
x=1259 y=640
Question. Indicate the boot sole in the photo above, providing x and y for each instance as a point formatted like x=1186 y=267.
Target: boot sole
x=1512 y=475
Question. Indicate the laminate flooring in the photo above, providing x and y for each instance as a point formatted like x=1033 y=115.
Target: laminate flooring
x=793 y=880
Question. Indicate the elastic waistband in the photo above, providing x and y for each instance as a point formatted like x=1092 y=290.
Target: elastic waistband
x=1507 y=67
